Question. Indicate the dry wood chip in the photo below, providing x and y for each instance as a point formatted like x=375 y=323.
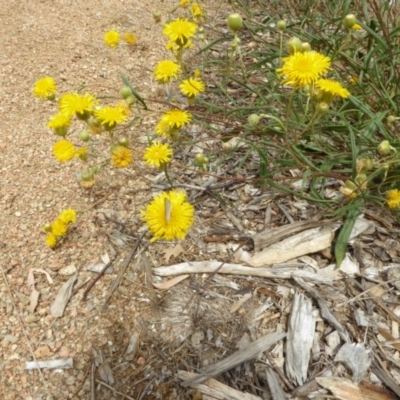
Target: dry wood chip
x=204 y=267
x=306 y=242
x=356 y=358
x=217 y=390
x=276 y=391
x=343 y=389
x=63 y=296
x=325 y=312
x=61 y=363
x=300 y=338
x=239 y=357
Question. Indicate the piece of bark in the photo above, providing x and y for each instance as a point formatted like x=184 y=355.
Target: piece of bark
x=276 y=391
x=299 y=339
x=325 y=312
x=245 y=354
x=344 y=389
x=305 y=242
x=268 y=238
x=215 y=389
x=63 y=296
x=356 y=358
x=205 y=267
x=61 y=363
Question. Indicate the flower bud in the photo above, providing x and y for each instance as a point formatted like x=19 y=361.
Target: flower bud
x=201 y=159
x=391 y=119
x=125 y=92
x=384 y=148
x=306 y=46
x=84 y=136
x=130 y=100
x=157 y=16
x=123 y=141
x=361 y=180
x=61 y=131
x=322 y=107
x=84 y=116
x=349 y=21
x=51 y=97
x=235 y=22
x=253 y=119
x=281 y=25
x=294 y=45
x=47 y=228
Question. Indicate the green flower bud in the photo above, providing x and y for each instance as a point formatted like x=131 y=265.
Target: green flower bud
x=84 y=136
x=349 y=21
x=360 y=179
x=322 y=107
x=391 y=119
x=157 y=16
x=306 y=46
x=130 y=100
x=253 y=119
x=281 y=25
x=123 y=141
x=235 y=22
x=83 y=116
x=125 y=92
x=294 y=45
x=87 y=175
x=51 y=97
x=201 y=159
x=47 y=228
x=61 y=131
x=384 y=148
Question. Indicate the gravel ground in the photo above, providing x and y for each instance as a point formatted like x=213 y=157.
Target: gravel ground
x=63 y=39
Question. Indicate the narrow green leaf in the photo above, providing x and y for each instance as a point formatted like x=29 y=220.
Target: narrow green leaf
x=138 y=97
x=344 y=235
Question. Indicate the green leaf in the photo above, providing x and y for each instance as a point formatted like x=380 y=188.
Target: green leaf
x=344 y=235
x=138 y=97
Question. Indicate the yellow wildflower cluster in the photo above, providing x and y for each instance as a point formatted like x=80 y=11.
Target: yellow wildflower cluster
x=112 y=38
x=59 y=227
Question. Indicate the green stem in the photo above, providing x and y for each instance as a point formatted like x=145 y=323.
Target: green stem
x=167 y=175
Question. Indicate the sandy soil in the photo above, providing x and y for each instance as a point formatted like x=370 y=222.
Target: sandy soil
x=64 y=39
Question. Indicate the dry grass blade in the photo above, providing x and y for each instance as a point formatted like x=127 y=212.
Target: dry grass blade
x=245 y=354
x=216 y=390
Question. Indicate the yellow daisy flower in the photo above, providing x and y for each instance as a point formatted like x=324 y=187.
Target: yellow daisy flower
x=158 y=154
x=111 y=116
x=332 y=88
x=196 y=10
x=45 y=88
x=169 y=216
x=163 y=129
x=75 y=104
x=130 y=38
x=192 y=87
x=393 y=199
x=180 y=31
x=302 y=69
x=111 y=38
x=183 y=3
x=59 y=228
x=81 y=153
x=51 y=240
x=357 y=27
x=63 y=150
x=67 y=216
x=167 y=69
x=59 y=121
x=121 y=157
x=176 y=118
